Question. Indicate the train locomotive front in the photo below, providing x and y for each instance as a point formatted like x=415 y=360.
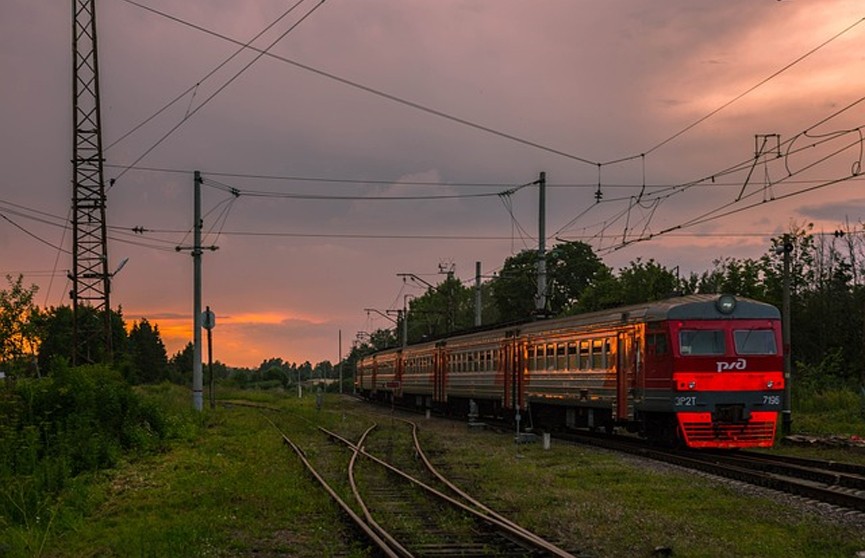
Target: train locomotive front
x=716 y=365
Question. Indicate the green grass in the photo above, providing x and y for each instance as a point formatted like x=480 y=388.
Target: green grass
x=833 y=412
x=227 y=487
x=617 y=506
x=231 y=489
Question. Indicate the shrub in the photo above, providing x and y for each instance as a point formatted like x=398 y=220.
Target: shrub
x=52 y=429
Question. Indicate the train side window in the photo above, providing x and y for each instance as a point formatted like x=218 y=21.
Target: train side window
x=755 y=342
x=702 y=342
x=598 y=357
x=531 y=357
x=584 y=355
x=573 y=363
x=551 y=356
x=561 y=364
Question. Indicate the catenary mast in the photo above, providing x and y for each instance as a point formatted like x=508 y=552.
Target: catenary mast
x=90 y=277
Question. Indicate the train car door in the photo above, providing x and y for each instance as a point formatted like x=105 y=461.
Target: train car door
x=625 y=373
x=658 y=367
x=440 y=368
x=399 y=368
x=512 y=370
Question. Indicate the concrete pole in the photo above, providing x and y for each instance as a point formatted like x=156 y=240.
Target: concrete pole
x=197 y=376
x=787 y=412
x=210 y=362
x=541 y=298
x=478 y=318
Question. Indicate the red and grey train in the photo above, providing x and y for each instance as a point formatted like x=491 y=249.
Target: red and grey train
x=705 y=371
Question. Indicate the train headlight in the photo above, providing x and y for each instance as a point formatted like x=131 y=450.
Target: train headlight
x=726 y=304
x=770 y=384
x=692 y=385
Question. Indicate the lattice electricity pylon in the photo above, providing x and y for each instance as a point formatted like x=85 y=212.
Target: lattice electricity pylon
x=90 y=277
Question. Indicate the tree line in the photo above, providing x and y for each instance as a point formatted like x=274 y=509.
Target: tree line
x=36 y=342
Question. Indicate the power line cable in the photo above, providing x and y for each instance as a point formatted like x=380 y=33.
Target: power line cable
x=330 y=197
x=33 y=235
x=222 y=87
x=194 y=88
x=374 y=91
x=750 y=89
x=650 y=187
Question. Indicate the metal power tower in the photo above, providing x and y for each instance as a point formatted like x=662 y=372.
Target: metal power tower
x=90 y=277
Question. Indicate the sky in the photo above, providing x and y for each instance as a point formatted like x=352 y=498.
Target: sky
x=357 y=142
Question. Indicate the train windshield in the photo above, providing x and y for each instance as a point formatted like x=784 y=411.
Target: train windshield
x=701 y=342
x=755 y=342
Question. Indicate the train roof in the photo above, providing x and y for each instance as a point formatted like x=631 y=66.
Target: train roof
x=711 y=307
x=688 y=307
x=691 y=307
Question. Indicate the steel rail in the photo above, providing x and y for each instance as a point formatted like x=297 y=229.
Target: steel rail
x=356 y=519
x=712 y=463
x=541 y=542
x=506 y=526
x=370 y=520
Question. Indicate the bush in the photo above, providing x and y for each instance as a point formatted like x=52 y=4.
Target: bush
x=52 y=429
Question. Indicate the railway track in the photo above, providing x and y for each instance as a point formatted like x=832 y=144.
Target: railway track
x=403 y=506
x=830 y=482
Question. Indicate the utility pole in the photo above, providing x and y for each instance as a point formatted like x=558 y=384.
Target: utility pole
x=90 y=277
x=541 y=297
x=209 y=322
x=197 y=250
x=478 y=318
x=787 y=412
x=405 y=309
x=340 y=362
x=197 y=376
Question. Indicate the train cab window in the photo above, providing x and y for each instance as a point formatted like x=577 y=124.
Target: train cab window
x=702 y=342
x=755 y=342
x=659 y=342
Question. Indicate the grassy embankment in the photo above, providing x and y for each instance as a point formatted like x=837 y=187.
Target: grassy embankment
x=228 y=487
